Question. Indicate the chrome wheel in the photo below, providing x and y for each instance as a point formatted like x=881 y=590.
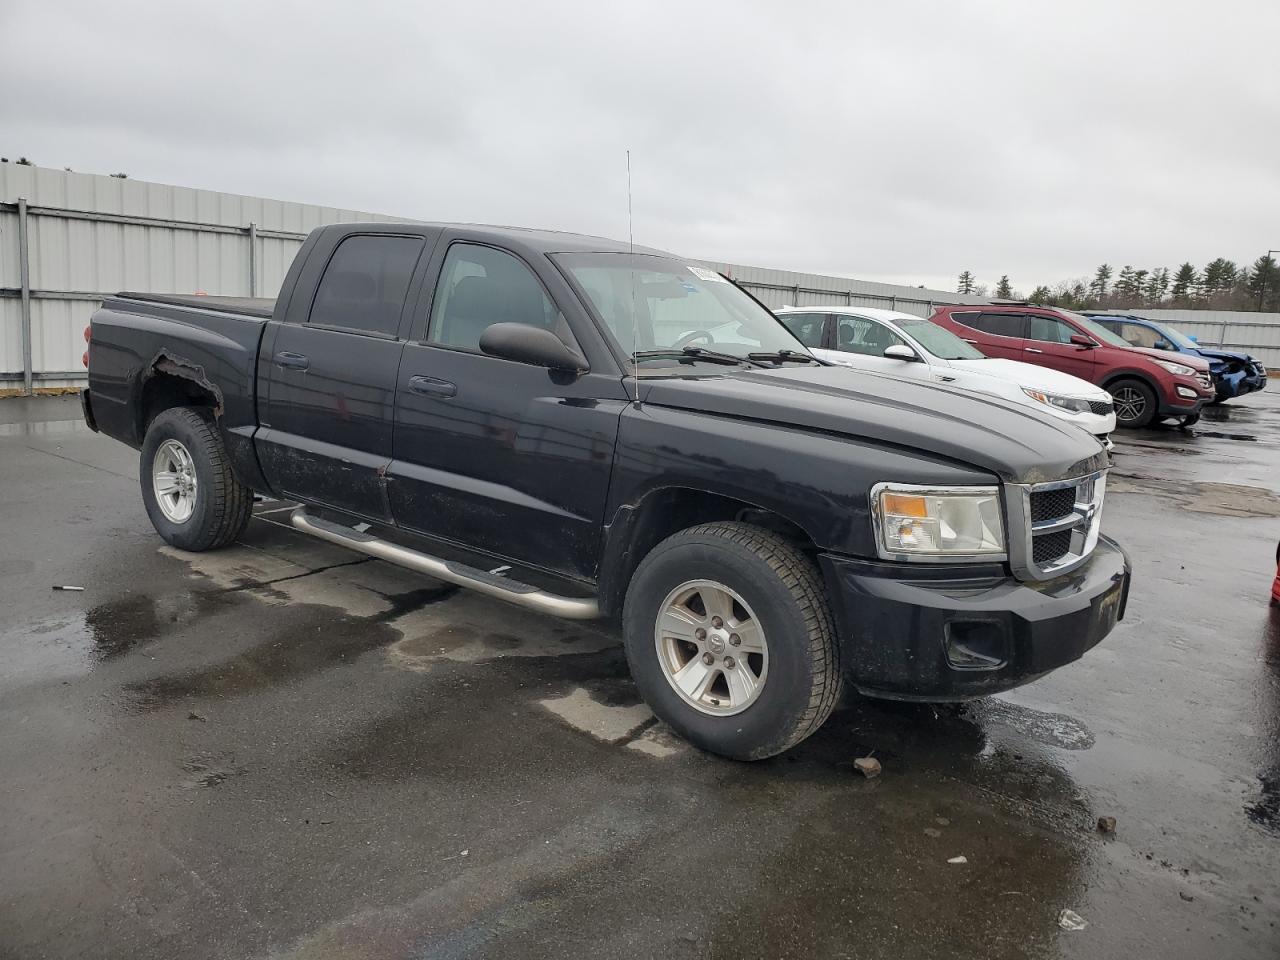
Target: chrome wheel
x=1130 y=404
x=711 y=648
x=173 y=477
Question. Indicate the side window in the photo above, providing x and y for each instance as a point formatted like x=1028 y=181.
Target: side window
x=480 y=286
x=365 y=282
x=860 y=335
x=807 y=327
x=997 y=324
x=1048 y=329
x=1138 y=335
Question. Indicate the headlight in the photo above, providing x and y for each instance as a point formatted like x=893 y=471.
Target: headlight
x=937 y=523
x=1178 y=369
x=1071 y=404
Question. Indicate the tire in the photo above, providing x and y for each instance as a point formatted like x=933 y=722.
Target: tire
x=781 y=592
x=1139 y=398
x=1189 y=421
x=218 y=507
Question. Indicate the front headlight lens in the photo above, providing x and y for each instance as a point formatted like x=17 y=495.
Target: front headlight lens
x=1177 y=369
x=915 y=522
x=1070 y=404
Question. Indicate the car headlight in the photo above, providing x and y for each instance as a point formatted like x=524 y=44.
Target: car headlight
x=1177 y=369
x=937 y=523
x=1070 y=404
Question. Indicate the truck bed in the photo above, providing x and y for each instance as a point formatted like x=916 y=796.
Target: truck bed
x=251 y=306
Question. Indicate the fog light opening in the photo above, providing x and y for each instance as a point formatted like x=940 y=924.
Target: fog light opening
x=975 y=645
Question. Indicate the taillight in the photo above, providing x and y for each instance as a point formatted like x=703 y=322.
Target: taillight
x=87 y=328
x=84 y=358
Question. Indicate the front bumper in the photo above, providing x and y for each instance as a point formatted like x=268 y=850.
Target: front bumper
x=906 y=633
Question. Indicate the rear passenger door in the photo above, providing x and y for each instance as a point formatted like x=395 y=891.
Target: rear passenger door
x=329 y=375
x=502 y=457
x=996 y=334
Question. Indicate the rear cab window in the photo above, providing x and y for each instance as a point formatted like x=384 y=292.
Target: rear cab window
x=364 y=284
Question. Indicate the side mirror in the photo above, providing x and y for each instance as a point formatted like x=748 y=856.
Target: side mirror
x=1085 y=343
x=1163 y=345
x=900 y=351
x=1193 y=338
x=533 y=345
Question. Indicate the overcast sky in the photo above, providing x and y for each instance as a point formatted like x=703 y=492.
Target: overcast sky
x=886 y=141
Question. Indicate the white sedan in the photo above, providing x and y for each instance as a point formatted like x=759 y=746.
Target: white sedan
x=904 y=345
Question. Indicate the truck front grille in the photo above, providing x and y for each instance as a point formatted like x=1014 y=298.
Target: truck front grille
x=1053 y=527
x=1101 y=407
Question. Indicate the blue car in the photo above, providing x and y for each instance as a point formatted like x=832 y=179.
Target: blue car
x=1234 y=374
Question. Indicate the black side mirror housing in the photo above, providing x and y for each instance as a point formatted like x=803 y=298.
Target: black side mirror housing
x=532 y=345
x=1080 y=340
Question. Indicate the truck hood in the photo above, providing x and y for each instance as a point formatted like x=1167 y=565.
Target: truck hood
x=1015 y=442
x=1030 y=375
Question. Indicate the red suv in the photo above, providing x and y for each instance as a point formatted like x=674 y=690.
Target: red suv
x=1146 y=384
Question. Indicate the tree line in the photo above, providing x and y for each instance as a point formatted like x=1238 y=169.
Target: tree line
x=1221 y=285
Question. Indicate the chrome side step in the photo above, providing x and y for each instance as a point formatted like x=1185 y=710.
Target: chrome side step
x=569 y=608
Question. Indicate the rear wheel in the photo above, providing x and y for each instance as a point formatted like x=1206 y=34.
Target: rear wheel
x=192 y=497
x=1135 y=403
x=729 y=638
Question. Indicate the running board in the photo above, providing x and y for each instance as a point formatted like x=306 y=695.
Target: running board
x=521 y=594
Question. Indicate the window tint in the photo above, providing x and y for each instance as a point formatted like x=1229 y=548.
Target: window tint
x=860 y=335
x=365 y=282
x=1048 y=329
x=806 y=326
x=1000 y=324
x=481 y=286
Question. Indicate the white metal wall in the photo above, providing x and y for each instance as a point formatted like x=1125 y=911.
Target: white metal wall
x=89 y=235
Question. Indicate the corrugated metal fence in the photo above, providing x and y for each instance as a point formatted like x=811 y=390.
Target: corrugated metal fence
x=67 y=239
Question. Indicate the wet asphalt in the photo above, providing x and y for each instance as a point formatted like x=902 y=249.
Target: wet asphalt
x=283 y=750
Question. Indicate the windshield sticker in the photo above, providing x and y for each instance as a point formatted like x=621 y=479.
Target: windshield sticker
x=702 y=273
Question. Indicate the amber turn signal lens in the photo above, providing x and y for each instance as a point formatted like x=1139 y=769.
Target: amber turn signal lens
x=905 y=505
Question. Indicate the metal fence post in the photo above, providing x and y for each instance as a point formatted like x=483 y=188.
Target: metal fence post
x=253 y=259
x=24 y=280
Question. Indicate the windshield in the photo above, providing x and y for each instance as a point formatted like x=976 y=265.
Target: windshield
x=653 y=303
x=1098 y=331
x=938 y=340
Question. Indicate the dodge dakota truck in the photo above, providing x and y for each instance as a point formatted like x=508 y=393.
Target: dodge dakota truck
x=589 y=430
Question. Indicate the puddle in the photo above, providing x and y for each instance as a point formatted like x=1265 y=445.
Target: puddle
x=1223 y=499
x=44 y=428
x=1226 y=436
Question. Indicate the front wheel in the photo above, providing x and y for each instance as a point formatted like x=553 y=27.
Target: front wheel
x=192 y=497
x=1135 y=403
x=730 y=640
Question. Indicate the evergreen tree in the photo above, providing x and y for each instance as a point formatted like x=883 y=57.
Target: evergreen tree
x=1219 y=275
x=1040 y=294
x=1101 y=277
x=1004 y=289
x=966 y=282
x=1125 y=285
x=1264 y=284
x=1184 y=283
x=1157 y=286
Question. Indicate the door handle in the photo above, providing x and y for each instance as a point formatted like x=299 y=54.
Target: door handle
x=292 y=361
x=1033 y=350
x=433 y=387
x=967 y=340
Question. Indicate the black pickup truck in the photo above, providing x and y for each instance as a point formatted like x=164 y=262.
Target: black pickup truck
x=591 y=430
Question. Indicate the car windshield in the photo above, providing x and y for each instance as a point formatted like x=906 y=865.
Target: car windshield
x=1098 y=331
x=659 y=305
x=939 y=341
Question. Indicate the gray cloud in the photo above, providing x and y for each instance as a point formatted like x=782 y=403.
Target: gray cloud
x=901 y=142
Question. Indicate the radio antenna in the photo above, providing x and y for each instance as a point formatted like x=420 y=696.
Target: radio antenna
x=635 y=319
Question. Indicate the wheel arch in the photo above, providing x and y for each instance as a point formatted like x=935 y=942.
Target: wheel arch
x=637 y=528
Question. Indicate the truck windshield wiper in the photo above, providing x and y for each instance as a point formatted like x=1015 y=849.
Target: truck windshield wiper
x=781 y=356
x=696 y=353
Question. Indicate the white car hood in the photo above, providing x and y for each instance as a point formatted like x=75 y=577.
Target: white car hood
x=1030 y=375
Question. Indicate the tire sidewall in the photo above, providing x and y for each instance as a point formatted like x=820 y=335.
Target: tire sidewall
x=176 y=424
x=766 y=725
x=1153 y=404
